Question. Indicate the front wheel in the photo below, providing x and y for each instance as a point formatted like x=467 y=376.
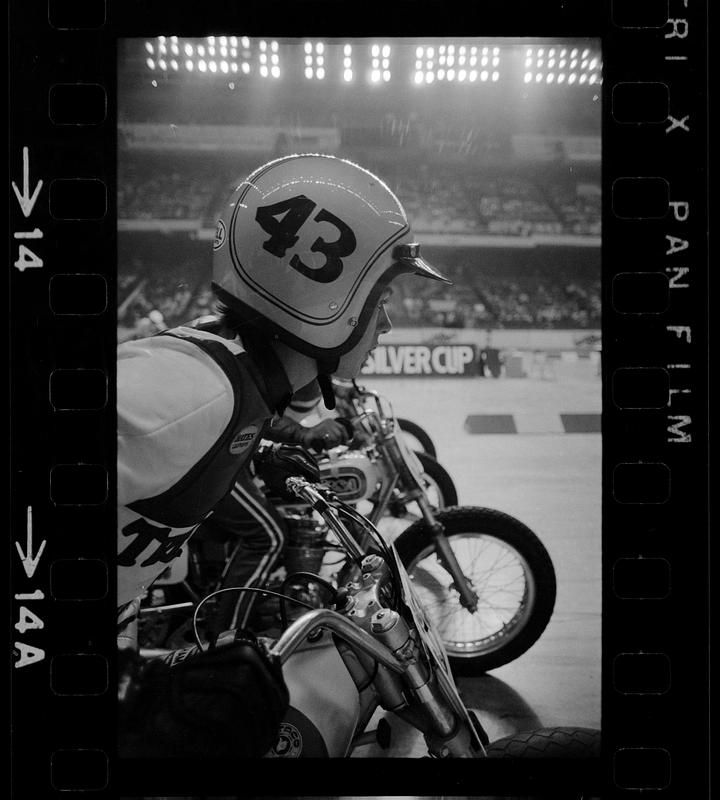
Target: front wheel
x=510 y=571
x=421 y=437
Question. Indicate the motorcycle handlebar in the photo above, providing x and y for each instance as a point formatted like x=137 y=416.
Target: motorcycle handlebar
x=326 y=618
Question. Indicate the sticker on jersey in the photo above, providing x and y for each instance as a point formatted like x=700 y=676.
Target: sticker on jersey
x=289 y=743
x=220 y=235
x=243 y=440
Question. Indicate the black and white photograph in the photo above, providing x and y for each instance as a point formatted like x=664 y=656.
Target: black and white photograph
x=359 y=396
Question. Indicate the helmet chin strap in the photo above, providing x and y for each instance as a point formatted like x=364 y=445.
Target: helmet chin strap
x=324 y=379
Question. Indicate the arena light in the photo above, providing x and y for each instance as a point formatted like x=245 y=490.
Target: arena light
x=375 y=51
x=150 y=63
x=528 y=77
x=233 y=67
x=162 y=64
x=430 y=77
x=308 y=47
x=484 y=75
x=189 y=66
x=174 y=49
x=231 y=86
x=224 y=67
x=496 y=76
x=572 y=78
x=419 y=52
x=418 y=77
x=149 y=48
x=473 y=75
x=462 y=74
x=263 y=45
x=347 y=50
x=245 y=42
x=309 y=72
x=245 y=68
x=347 y=75
x=202 y=66
x=200 y=50
x=375 y=76
x=441 y=74
x=320 y=72
x=188 y=50
x=174 y=65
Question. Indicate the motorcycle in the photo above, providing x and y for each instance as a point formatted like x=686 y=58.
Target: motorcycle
x=375 y=647
x=484 y=577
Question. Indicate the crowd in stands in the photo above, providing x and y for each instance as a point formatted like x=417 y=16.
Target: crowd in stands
x=150 y=300
x=437 y=200
x=477 y=300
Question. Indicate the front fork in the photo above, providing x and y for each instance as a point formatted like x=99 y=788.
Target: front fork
x=446 y=556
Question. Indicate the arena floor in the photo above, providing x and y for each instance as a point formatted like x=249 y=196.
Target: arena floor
x=551 y=482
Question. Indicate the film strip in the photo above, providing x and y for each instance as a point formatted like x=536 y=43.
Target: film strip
x=62 y=240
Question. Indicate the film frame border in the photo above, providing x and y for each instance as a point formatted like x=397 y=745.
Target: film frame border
x=655 y=319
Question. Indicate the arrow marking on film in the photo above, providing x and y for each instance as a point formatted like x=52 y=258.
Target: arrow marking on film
x=26 y=200
x=29 y=561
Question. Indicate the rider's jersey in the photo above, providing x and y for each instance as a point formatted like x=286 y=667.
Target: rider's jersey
x=191 y=409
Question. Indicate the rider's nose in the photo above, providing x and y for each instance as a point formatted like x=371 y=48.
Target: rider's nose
x=384 y=325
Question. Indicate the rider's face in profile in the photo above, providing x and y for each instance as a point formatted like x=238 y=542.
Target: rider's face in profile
x=352 y=361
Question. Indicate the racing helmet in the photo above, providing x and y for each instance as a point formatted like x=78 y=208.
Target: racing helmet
x=305 y=247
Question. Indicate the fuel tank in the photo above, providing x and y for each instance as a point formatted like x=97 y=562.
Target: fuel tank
x=324 y=704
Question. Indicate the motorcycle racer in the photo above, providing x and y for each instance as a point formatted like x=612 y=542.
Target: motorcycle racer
x=303 y=257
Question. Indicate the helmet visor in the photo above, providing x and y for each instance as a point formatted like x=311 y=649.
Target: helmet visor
x=409 y=256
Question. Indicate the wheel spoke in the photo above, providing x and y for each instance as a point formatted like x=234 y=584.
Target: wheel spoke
x=499 y=576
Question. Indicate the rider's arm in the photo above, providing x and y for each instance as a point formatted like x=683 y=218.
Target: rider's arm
x=306 y=405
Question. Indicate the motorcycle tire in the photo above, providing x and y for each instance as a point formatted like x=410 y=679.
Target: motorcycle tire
x=439 y=476
x=419 y=434
x=472 y=530
x=548 y=743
